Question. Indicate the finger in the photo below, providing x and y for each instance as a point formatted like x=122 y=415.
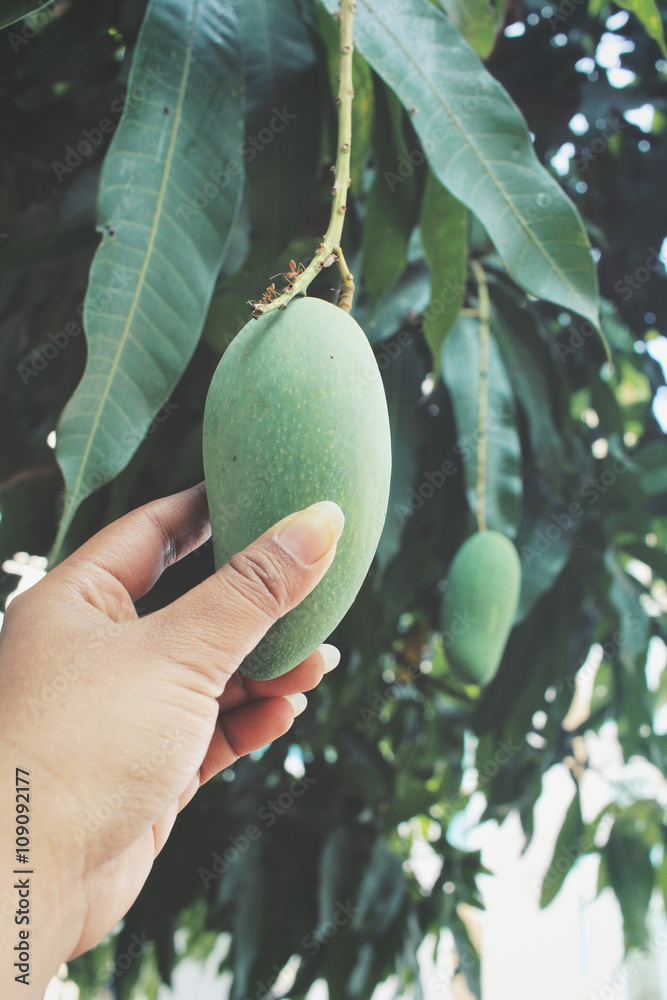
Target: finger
x=240 y=690
x=249 y=728
x=136 y=548
x=214 y=626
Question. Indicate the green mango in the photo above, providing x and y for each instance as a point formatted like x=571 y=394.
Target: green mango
x=479 y=605
x=295 y=414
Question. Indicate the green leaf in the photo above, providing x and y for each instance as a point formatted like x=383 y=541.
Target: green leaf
x=403 y=372
x=630 y=874
x=477 y=21
x=405 y=301
x=444 y=233
x=544 y=550
x=390 y=208
x=460 y=373
x=169 y=194
x=16 y=10
x=283 y=121
x=478 y=144
x=381 y=892
x=648 y=13
x=531 y=372
x=568 y=848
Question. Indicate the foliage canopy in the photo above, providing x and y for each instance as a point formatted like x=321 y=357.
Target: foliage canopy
x=161 y=162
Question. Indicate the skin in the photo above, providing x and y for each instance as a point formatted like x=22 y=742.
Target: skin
x=121 y=718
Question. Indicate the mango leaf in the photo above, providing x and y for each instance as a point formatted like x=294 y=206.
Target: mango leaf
x=478 y=144
x=460 y=373
x=391 y=207
x=403 y=372
x=630 y=874
x=648 y=13
x=568 y=848
x=16 y=10
x=283 y=115
x=545 y=541
x=381 y=892
x=534 y=380
x=444 y=233
x=477 y=21
x=408 y=298
x=169 y=194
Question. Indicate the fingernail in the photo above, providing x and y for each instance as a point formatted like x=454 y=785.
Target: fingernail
x=297 y=701
x=313 y=532
x=330 y=655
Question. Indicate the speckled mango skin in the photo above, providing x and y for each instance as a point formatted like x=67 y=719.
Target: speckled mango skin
x=479 y=605
x=296 y=413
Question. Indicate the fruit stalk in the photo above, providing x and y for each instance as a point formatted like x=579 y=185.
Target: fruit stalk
x=483 y=391
x=329 y=250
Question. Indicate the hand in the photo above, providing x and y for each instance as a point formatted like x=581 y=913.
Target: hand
x=120 y=719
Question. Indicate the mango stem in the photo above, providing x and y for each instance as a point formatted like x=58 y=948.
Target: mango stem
x=328 y=250
x=483 y=391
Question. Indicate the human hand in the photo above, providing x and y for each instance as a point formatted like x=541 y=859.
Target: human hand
x=142 y=710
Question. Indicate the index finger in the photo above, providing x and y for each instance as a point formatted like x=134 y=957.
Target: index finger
x=138 y=547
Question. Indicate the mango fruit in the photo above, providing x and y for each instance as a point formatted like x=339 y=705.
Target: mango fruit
x=479 y=605
x=295 y=414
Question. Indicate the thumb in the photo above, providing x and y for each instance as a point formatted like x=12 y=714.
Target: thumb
x=216 y=624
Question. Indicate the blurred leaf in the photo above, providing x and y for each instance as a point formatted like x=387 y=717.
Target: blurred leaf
x=478 y=145
x=630 y=874
x=405 y=301
x=16 y=10
x=391 y=206
x=477 y=21
x=567 y=850
x=164 y=237
x=283 y=121
x=381 y=892
x=530 y=371
x=460 y=372
x=444 y=234
x=402 y=376
x=27 y=511
x=652 y=462
x=649 y=14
